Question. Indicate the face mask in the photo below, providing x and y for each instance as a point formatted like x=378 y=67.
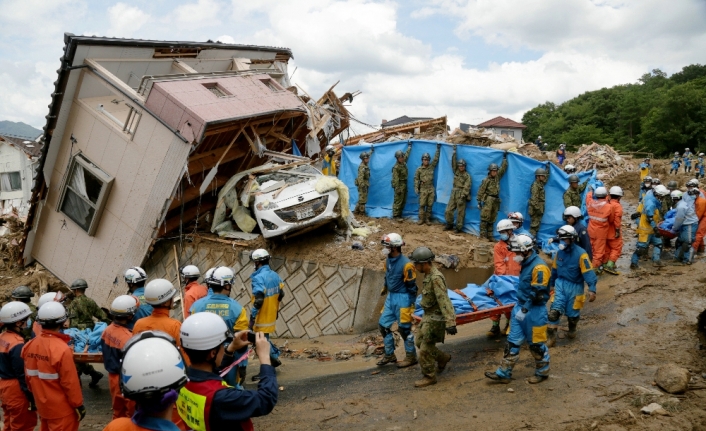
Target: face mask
x=562 y=246
x=385 y=251
x=518 y=258
x=504 y=236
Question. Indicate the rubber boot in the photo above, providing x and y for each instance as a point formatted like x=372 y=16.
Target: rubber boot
x=387 y=359
x=275 y=362
x=448 y=226
x=409 y=360
x=573 y=322
x=457 y=230
x=96 y=376
x=658 y=264
x=536 y=379
x=492 y=375
x=442 y=361
x=494 y=330
x=551 y=337
x=425 y=381
x=610 y=268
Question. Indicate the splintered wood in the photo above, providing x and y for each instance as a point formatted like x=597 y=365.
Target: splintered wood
x=604 y=158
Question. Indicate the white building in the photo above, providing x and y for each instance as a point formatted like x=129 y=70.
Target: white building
x=504 y=126
x=18 y=161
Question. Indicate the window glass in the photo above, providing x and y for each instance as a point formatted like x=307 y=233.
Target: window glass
x=77 y=209
x=10 y=181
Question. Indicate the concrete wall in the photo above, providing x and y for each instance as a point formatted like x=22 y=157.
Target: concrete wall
x=320 y=299
x=15 y=160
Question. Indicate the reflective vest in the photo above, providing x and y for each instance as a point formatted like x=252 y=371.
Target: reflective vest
x=194 y=404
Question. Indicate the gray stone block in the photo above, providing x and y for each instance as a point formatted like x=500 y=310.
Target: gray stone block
x=308 y=314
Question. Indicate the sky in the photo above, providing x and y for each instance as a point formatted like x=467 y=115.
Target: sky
x=468 y=60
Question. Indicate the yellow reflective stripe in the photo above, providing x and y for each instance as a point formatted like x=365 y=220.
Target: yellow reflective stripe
x=579 y=301
x=267 y=315
x=585 y=263
x=409 y=273
x=554 y=261
x=539 y=334
x=192 y=409
x=242 y=323
x=540 y=275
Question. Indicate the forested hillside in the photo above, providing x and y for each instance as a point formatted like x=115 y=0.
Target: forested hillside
x=659 y=114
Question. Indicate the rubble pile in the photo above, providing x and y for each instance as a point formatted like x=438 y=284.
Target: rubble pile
x=436 y=132
x=480 y=138
x=531 y=150
x=11 y=227
x=604 y=158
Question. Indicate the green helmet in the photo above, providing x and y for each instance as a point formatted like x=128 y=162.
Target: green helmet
x=421 y=254
x=493 y=167
x=573 y=179
x=461 y=162
x=540 y=171
x=426 y=156
x=399 y=154
x=22 y=292
x=364 y=155
x=79 y=283
x=672 y=185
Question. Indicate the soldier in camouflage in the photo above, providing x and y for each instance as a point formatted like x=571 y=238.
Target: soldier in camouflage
x=489 y=198
x=460 y=194
x=362 y=181
x=439 y=317
x=399 y=182
x=424 y=185
x=82 y=310
x=537 y=199
x=572 y=196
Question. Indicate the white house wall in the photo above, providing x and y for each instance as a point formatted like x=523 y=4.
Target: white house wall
x=13 y=159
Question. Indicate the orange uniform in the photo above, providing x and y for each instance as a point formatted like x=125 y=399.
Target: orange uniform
x=615 y=245
x=114 y=338
x=700 y=209
x=52 y=378
x=503 y=259
x=194 y=292
x=14 y=393
x=600 y=227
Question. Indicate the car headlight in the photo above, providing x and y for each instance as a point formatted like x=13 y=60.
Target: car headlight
x=269 y=225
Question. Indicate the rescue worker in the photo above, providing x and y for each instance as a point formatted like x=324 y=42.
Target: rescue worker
x=424 y=185
x=672 y=185
x=676 y=162
x=570 y=270
x=401 y=290
x=656 y=181
x=51 y=373
x=328 y=166
x=135 y=278
x=268 y=292
x=645 y=187
x=399 y=182
x=687 y=160
x=644 y=167
x=692 y=187
x=573 y=217
x=650 y=217
x=615 y=244
x=82 y=310
x=362 y=181
x=113 y=339
x=439 y=317
x=504 y=265
x=700 y=167
x=209 y=403
x=538 y=142
x=152 y=373
x=537 y=199
x=193 y=291
x=24 y=294
x=685 y=225
x=47 y=297
x=460 y=195
x=19 y=411
x=561 y=154
x=489 y=198
x=600 y=226
x=228 y=309
x=518 y=221
x=572 y=195
x=529 y=316
x=570 y=169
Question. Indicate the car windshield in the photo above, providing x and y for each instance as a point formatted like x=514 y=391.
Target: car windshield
x=290 y=176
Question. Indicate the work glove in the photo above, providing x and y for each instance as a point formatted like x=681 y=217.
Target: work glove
x=520 y=315
x=383 y=292
x=591 y=296
x=81 y=412
x=550 y=240
x=451 y=330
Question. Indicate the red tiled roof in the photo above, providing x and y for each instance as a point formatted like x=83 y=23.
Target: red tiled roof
x=502 y=122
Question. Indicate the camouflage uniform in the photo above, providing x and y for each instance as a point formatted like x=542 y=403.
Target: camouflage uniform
x=536 y=204
x=399 y=184
x=460 y=195
x=489 y=198
x=363 y=183
x=81 y=312
x=424 y=187
x=438 y=315
x=572 y=197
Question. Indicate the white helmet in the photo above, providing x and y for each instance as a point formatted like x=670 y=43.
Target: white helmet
x=573 y=211
x=521 y=243
x=190 y=271
x=260 y=255
x=567 y=232
x=676 y=153
x=600 y=192
x=516 y=217
x=151 y=366
x=570 y=168
x=686 y=149
x=539 y=137
x=51 y=313
x=222 y=276
x=504 y=225
x=701 y=154
x=135 y=275
x=329 y=148
x=615 y=191
x=124 y=306
x=159 y=291
x=14 y=312
x=207 y=276
x=392 y=240
x=661 y=190
x=692 y=183
x=50 y=297
x=676 y=195
x=203 y=331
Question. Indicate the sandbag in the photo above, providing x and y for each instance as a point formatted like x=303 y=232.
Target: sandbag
x=242 y=218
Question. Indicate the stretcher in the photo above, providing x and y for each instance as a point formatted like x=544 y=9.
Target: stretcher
x=476 y=315
x=86 y=358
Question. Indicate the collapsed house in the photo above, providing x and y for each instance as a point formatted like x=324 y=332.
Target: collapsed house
x=142 y=135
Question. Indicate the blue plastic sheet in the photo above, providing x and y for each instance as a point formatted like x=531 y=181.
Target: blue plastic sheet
x=503 y=287
x=81 y=337
x=668 y=222
x=514 y=186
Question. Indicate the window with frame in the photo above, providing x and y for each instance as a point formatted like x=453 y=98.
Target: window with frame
x=84 y=193
x=508 y=133
x=10 y=181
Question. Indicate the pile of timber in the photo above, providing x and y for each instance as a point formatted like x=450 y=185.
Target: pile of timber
x=609 y=163
x=11 y=227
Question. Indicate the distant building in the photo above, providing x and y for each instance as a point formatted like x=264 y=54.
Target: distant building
x=18 y=160
x=504 y=126
x=402 y=120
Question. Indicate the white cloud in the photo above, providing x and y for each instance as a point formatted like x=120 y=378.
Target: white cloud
x=203 y=13
x=125 y=20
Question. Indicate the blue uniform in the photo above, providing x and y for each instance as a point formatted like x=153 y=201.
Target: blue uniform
x=522 y=231
x=570 y=270
x=532 y=296
x=584 y=239
x=268 y=284
x=144 y=310
x=700 y=168
x=401 y=283
x=685 y=223
x=676 y=162
x=643 y=191
x=687 y=160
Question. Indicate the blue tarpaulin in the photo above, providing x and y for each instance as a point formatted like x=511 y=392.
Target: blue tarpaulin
x=503 y=287
x=92 y=337
x=514 y=186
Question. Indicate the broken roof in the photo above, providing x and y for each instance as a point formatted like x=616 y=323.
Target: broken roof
x=403 y=120
x=502 y=122
x=29 y=147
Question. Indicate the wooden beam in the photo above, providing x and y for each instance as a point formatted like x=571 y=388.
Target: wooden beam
x=205 y=163
x=172 y=223
x=227 y=127
x=114 y=79
x=193 y=191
